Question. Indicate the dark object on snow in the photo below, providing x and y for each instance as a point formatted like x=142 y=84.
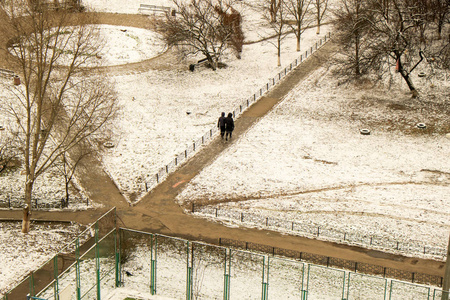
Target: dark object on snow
x=221 y=124
x=201 y=61
x=128 y=273
x=229 y=126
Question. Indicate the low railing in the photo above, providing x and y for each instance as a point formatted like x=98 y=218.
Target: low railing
x=321 y=232
x=152 y=181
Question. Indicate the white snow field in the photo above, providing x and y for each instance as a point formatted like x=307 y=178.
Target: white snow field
x=306 y=161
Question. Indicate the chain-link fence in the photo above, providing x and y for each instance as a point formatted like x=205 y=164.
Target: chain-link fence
x=154 y=264
x=152 y=181
x=410 y=247
x=71 y=269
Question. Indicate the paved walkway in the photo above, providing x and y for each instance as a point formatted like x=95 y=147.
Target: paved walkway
x=157 y=211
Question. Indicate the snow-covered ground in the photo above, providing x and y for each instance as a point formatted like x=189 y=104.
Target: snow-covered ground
x=21 y=254
x=311 y=165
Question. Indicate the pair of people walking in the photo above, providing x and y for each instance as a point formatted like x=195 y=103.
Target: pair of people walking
x=226 y=125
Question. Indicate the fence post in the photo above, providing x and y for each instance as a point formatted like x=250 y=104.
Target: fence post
x=77 y=268
x=153 y=264
x=226 y=275
x=190 y=267
x=117 y=256
x=55 y=277
x=32 y=283
x=265 y=279
x=97 y=261
x=157 y=177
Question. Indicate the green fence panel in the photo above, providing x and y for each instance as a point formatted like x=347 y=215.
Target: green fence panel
x=361 y=286
x=136 y=259
x=286 y=278
x=208 y=265
x=246 y=273
x=400 y=290
x=107 y=260
x=88 y=274
x=325 y=283
x=171 y=266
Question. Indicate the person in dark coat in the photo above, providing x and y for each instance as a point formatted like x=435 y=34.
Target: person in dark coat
x=221 y=124
x=229 y=126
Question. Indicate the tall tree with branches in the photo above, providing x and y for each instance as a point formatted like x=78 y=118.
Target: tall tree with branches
x=353 y=21
x=278 y=28
x=55 y=108
x=200 y=27
x=299 y=10
x=320 y=7
x=389 y=32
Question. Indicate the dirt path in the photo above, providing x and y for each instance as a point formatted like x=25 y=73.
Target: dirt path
x=157 y=212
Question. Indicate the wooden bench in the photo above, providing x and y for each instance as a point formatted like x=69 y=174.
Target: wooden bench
x=147 y=8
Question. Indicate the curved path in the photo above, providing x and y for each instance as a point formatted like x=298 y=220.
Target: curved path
x=157 y=211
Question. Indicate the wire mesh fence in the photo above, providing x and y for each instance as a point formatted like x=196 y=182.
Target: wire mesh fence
x=152 y=180
x=60 y=273
x=331 y=262
x=410 y=247
x=155 y=264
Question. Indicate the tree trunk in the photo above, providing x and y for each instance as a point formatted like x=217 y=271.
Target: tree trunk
x=27 y=208
x=298 y=38
x=66 y=202
x=318 y=21
x=279 y=52
x=357 y=67
x=26 y=219
x=409 y=83
x=406 y=77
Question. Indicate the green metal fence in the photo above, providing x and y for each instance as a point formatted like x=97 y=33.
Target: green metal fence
x=180 y=269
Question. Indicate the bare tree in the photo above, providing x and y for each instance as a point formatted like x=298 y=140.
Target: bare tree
x=381 y=31
x=353 y=22
x=67 y=165
x=278 y=28
x=274 y=6
x=55 y=108
x=320 y=10
x=299 y=10
x=199 y=27
x=441 y=13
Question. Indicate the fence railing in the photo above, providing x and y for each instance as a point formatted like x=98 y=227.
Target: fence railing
x=339 y=263
x=411 y=247
x=11 y=201
x=51 y=275
x=179 y=159
x=155 y=264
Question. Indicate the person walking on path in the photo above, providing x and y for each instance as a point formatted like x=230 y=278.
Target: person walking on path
x=221 y=124
x=229 y=126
